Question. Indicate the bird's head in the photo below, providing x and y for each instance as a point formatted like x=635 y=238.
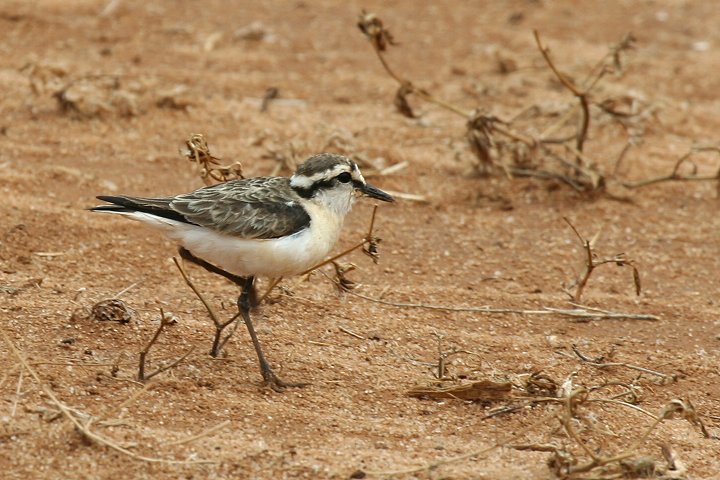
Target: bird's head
x=332 y=179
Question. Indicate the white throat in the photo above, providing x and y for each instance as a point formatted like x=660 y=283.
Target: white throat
x=337 y=201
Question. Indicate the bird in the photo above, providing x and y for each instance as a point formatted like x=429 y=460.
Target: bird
x=262 y=226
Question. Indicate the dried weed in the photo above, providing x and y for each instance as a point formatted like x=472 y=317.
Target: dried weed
x=511 y=148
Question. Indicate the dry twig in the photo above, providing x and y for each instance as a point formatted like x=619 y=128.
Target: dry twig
x=676 y=468
x=83 y=428
x=582 y=96
x=505 y=440
x=475 y=390
x=444 y=355
x=564 y=461
x=18 y=393
x=209 y=167
x=570 y=469
x=270 y=94
x=218 y=341
x=601 y=364
x=592 y=262
x=165 y=320
x=350 y=332
x=676 y=176
x=579 y=313
x=500 y=147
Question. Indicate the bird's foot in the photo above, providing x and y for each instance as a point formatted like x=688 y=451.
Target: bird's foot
x=273 y=381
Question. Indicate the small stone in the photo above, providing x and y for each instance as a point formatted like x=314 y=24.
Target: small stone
x=112 y=310
x=553 y=341
x=701 y=46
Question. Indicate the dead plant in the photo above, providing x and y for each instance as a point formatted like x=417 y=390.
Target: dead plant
x=209 y=167
x=588 y=446
x=592 y=261
x=83 y=423
x=501 y=146
x=626 y=462
x=165 y=321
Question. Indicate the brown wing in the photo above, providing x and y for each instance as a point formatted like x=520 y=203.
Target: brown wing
x=256 y=208
x=263 y=207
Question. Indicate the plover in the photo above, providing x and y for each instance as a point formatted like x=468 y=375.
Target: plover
x=265 y=226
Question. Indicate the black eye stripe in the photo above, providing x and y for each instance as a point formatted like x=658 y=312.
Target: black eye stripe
x=309 y=192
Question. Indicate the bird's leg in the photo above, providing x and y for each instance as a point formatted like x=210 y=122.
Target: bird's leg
x=269 y=376
x=187 y=255
x=236 y=279
x=218 y=342
x=247 y=299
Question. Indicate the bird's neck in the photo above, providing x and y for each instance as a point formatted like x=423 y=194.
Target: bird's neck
x=336 y=203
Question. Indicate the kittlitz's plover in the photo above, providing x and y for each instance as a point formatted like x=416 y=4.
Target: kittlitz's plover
x=265 y=226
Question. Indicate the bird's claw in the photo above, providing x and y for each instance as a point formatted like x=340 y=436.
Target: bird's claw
x=274 y=382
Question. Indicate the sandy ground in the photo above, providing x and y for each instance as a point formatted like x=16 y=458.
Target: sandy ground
x=139 y=77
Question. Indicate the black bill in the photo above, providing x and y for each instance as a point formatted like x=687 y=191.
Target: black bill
x=375 y=192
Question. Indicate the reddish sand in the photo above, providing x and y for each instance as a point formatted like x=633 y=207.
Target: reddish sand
x=145 y=75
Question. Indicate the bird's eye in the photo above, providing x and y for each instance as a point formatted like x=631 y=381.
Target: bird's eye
x=344 y=177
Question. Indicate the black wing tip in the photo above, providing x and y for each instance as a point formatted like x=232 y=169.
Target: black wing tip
x=123 y=204
x=130 y=203
x=117 y=200
x=118 y=204
x=109 y=208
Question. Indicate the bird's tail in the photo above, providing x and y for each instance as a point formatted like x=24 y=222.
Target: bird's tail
x=158 y=207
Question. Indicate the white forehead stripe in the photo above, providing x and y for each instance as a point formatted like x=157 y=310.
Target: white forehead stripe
x=305 y=182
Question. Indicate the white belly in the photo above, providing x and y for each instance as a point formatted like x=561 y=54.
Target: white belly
x=277 y=257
